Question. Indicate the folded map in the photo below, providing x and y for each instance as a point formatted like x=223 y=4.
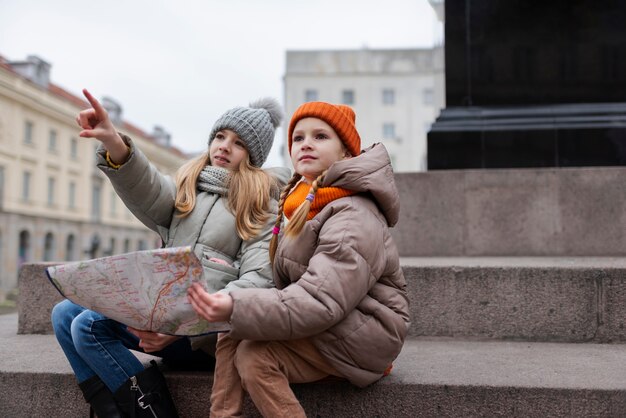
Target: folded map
x=146 y=290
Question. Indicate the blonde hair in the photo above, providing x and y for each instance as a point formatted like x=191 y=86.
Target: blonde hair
x=249 y=197
x=299 y=217
x=186 y=180
x=249 y=193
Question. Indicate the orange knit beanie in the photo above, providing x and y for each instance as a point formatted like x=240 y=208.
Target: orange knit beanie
x=340 y=117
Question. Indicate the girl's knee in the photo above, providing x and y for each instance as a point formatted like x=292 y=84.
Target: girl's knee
x=253 y=358
x=248 y=352
x=84 y=325
x=63 y=313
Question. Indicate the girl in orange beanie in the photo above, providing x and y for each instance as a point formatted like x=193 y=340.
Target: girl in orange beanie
x=340 y=306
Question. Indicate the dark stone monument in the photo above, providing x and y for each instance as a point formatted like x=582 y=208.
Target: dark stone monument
x=532 y=83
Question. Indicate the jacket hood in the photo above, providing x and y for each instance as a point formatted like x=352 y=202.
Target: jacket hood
x=369 y=172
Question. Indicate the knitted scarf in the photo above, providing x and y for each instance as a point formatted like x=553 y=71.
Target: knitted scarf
x=323 y=196
x=214 y=180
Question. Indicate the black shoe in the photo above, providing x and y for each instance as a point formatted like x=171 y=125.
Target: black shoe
x=98 y=395
x=146 y=395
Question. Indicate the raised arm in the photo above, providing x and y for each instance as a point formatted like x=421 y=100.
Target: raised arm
x=95 y=123
x=145 y=191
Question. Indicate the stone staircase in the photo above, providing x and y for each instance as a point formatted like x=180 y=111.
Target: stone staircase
x=505 y=336
x=520 y=337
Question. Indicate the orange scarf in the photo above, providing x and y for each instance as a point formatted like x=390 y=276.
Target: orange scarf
x=323 y=196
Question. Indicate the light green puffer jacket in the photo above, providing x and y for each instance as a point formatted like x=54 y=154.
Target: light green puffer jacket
x=209 y=229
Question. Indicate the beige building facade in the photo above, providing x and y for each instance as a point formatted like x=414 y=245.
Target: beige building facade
x=396 y=94
x=55 y=205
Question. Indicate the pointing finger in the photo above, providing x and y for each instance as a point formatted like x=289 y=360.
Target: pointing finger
x=94 y=103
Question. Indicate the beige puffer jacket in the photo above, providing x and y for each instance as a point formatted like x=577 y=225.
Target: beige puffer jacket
x=339 y=281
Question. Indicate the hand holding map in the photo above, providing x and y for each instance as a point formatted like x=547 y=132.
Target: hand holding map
x=146 y=290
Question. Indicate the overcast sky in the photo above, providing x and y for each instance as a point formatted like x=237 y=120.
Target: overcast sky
x=180 y=64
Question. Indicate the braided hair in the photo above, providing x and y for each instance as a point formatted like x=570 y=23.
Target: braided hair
x=299 y=217
x=279 y=219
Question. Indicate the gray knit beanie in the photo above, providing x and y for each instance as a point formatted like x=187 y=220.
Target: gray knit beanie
x=255 y=125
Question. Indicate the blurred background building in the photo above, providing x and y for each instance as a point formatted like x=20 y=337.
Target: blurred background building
x=396 y=94
x=55 y=205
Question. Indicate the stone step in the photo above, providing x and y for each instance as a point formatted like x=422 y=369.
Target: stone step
x=512 y=212
x=509 y=298
x=580 y=299
x=431 y=378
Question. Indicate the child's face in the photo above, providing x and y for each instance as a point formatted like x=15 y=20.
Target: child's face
x=227 y=150
x=315 y=147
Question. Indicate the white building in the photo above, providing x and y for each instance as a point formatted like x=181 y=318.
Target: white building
x=55 y=205
x=396 y=94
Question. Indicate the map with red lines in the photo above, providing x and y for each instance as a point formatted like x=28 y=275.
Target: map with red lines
x=146 y=290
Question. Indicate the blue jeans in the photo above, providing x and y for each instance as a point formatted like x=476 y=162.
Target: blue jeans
x=95 y=344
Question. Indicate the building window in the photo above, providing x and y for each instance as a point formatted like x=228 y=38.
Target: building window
x=26 y=186
x=310 y=95
x=24 y=248
x=74 y=148
x=389 y=131
x=71 y=198
x=28 y=132
x=51 y=183
x=126 y=245
x=389 y=96
x=48 y=247
x=347 y=97
x=96 y=199
x=52 y=140
x=111 y=249
x=428 y=96
x=70 y=248
x=141 y=245
x=94 y=246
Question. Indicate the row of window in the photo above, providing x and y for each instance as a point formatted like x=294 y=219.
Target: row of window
x=388 y=96
x=29 y=135
x=72 y=251
x=389 y=131
x=96 y=194
x=51 y=196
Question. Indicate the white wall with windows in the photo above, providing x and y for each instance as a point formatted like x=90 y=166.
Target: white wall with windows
x=395 y=94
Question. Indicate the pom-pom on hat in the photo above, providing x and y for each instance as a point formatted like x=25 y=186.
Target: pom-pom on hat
x=340 y=117
x=255 y=125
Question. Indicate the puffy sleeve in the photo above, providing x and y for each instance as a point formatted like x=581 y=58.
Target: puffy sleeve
x=147 y=193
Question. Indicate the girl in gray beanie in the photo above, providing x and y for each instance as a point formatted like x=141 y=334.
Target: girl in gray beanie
x=221 y=204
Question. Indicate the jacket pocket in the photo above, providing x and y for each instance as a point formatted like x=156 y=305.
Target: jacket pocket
x=217 y=276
